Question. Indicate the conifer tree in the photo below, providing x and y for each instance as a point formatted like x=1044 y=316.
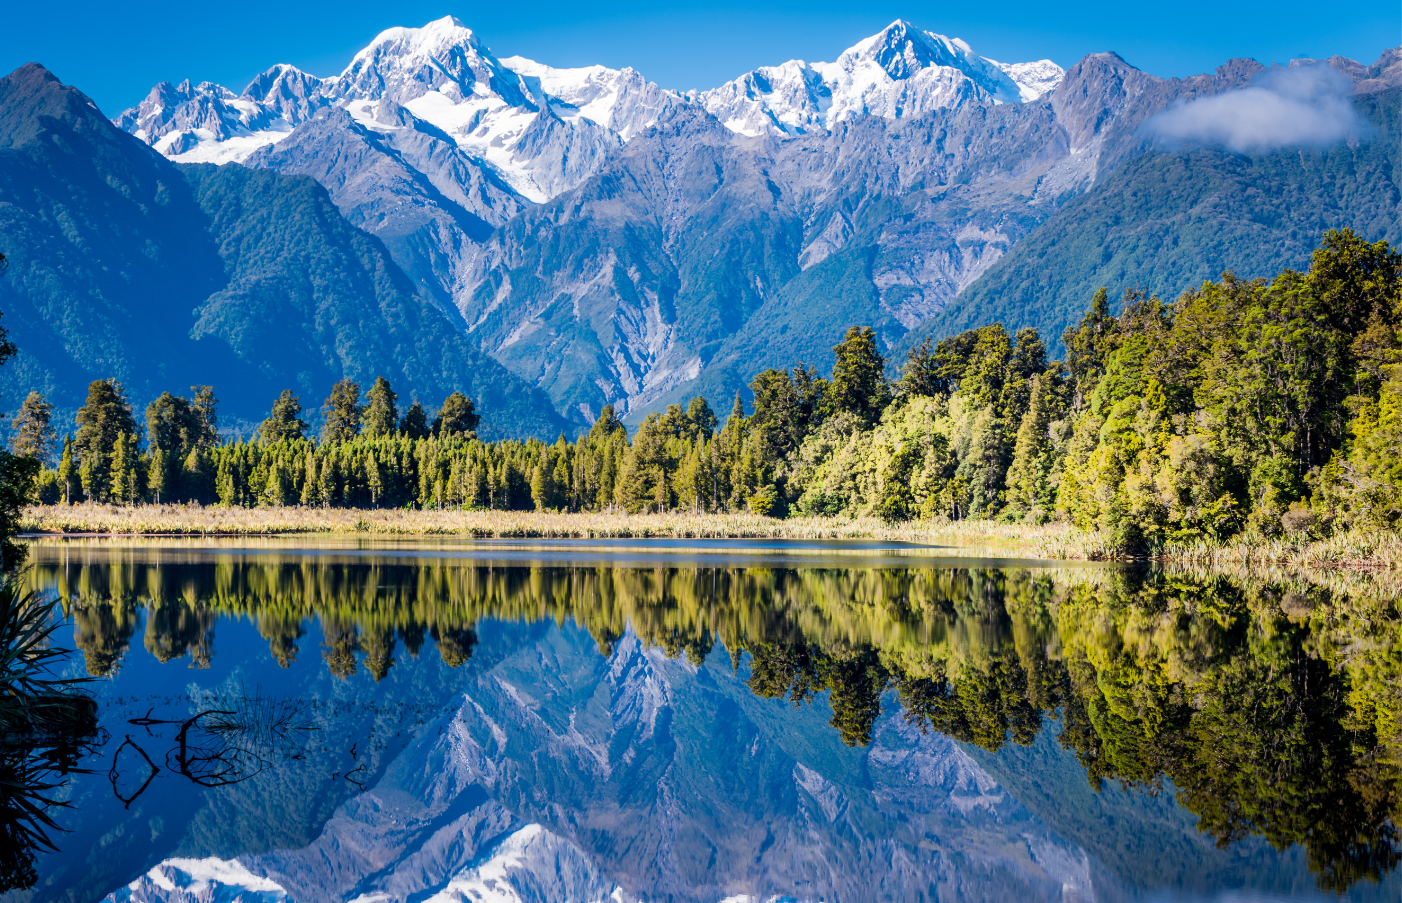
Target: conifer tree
x=343 y=412
x=859 y=376
x=124 y=481
x=158 y=475
x=381 y=417
x=206 y=419
x=285 y=421
x=920 y=375
x=67 y=470
x=415 y=422
x=701 y=418
x=106 y=416
x=457 y=417
x=1030 y=494
x=33 y=430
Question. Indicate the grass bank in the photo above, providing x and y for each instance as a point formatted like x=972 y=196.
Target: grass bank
x=1047 y=541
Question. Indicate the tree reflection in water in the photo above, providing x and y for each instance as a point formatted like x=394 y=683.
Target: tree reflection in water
x=1273 y=704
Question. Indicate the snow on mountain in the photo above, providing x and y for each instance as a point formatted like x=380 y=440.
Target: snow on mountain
x=207 y=123
x=618 y=99
x=542 y=130
x=1034 y=79
x=901 y=71
x=562 y=776
x=545 y=130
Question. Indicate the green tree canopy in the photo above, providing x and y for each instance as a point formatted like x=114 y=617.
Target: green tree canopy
x=34 y=435
x=415 y=422
x=285 y=421
x=859 y=383
x=381 y=417
x=456 y=417
x=106 y=417
x=343 y=412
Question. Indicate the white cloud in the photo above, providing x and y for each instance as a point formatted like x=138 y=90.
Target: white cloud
x=1298 y=106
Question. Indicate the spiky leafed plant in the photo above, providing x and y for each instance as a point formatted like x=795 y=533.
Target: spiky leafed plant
x=44 y=723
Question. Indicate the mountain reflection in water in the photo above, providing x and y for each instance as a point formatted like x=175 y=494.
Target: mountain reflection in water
x=608 y=729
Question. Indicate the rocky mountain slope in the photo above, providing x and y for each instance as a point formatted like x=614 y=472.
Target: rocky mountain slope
x=611 y=242
x=126 y=265
x=1165 y=222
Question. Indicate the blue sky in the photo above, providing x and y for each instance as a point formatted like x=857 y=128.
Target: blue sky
x=115 y=51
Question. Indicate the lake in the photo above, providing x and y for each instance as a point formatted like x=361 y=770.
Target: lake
x=339 y=720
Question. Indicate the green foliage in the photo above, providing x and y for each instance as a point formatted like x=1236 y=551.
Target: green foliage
x=457 y=417
x=343 y=412
x=33 y=435
x=381 y=415
x=859 y=384
x=102 y=421
x=1194 y=214
x=415 y=422
x=1255 y=406
x=285 y=421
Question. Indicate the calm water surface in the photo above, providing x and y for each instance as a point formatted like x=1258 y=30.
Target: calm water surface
x=372 y=721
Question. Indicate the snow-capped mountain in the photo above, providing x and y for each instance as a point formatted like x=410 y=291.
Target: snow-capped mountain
x=208 y=123
x=902 y=71
x=544 y=130
x=541 y=130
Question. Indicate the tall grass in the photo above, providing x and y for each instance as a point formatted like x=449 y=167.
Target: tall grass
x=194 y=520
x=1053 y=541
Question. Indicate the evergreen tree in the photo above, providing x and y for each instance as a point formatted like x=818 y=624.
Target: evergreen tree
x=381 y=415
x=158 y=476
x=343 y=412
x=34 y=435
x=285 y=421
x=1030 y=491
x=206 y=419
x=67 y=471
x=102 y=420
x=125 y=485
x=415 y=422
x=701 y=418
x=607 y=425
x=457 y=417
x=921 y=373
x=1090 y=343
x=859 y=382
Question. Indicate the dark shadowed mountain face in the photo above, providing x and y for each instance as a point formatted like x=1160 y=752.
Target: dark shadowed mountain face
x=163 y=276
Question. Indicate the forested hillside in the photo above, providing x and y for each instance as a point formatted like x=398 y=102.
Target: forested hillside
x=1259 y=407
x=1168 y=221
x=162 y=276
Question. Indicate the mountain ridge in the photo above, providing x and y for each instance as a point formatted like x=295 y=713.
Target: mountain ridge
x=608 y=242
x=125 y=265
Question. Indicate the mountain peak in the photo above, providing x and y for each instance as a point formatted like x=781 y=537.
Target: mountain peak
x=900 y=71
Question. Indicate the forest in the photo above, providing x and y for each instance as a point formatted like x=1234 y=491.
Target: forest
x=1260 y=407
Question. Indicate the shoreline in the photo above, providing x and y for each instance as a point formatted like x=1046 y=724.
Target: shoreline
x=1052 y=541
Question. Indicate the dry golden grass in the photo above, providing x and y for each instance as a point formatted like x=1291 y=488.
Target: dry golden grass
x=1353 y=549
x=1054 y=541
x=1047 y=541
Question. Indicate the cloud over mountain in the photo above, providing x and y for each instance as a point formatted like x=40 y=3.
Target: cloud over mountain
x=1299 y=106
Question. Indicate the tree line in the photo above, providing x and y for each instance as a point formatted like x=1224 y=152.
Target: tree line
x=1263 y=405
